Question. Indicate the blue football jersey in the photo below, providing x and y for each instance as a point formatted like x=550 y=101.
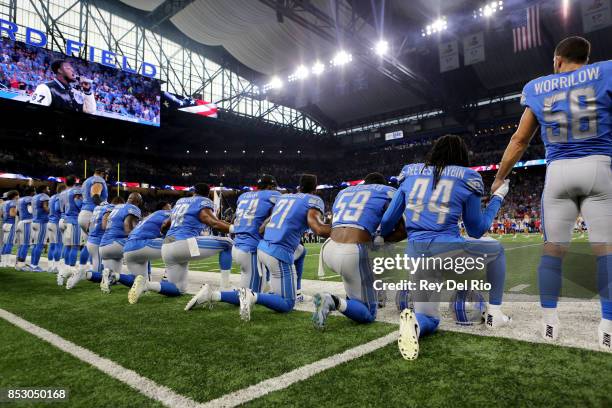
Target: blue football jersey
x=95 y=223
x=38 y=212
x=22 y=208
x=115 y=224
x=433 y=213
x=6 y=217
x=70 y=204
x=185 y=217
x=287 y=224
x=362 y=206
x=574 y=110
x=252 y=209
x=150 y=227
x=88 y=204
x=54 y=209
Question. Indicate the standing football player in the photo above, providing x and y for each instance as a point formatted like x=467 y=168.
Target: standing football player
x=54 y=232
x=24 y=228
x=184 y=243
x=117 y=227
x=291 y=216
x=40 y=210
x=252 y=209
x=573 y=108
x=70 y=202
x=357 y=211
x=9 y=216
x=432 y=197
x=94 y=192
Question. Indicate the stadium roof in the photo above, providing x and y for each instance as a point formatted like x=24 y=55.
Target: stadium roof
x=274 y=37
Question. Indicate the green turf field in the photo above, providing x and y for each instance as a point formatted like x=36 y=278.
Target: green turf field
x=205 y=354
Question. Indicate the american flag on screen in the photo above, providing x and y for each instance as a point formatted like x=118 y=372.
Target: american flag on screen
x=526 y=30
x=191 y=105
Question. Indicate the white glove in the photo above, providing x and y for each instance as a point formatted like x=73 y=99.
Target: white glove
x=503 y=190
x=379 y=240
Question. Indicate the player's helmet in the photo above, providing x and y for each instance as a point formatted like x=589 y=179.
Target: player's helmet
x=467 y=307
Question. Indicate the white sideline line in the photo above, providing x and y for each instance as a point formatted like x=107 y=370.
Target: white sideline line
x=299 y=374
x=518 y=288
x=141 y=384
x=171 y=399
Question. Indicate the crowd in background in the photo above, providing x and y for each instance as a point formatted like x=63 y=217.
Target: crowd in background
x=118 y=92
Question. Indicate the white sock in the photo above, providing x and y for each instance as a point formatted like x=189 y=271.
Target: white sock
x=342 y=305
x=605 y=325
x=493 y=307
x=154 y=286
x=550 y=315
x=216 y=296
x=225 y=275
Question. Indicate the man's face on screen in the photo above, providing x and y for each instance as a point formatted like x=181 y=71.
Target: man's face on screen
x=67 y=72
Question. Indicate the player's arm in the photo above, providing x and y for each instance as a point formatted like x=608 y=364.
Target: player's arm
x=41 y=95
x=45 y=206
x=393 y=214
x=165 y=226
x=105 y=220
x=13 y=212
x=316 y=224
x=477 y=221
x=95 y=192
x=78 y=200
x=262 y=227
x=516 y=147
x=399 y=233
x=129 y=223
x=208 y=217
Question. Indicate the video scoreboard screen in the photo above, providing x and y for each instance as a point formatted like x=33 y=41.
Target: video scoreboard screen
x=43 y=77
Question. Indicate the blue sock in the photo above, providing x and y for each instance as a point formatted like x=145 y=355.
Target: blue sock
x=496 y=276
x=22 y=252
x=169 y=289
x=275 y=302
x=7 y=249
x=604 y=284
x=127 y=280
x=96 y=277
x=73 y=253
x=359 y=312
x=549 y=280
x=427 y=324
x=84 y=256
x=36 y=253
x=51 y=253
x=299 y=268
x=59 y=248
x=66 y=254
x=230 y=296
x=225 y=260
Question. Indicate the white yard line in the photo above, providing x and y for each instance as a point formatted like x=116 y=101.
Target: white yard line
x=299 y=374
x=141 y=384
x=170 y=398
x=518 y=288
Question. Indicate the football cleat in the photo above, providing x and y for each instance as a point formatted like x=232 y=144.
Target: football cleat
x=323 y=304
x=247 y=300
x=36 y=268
x=107 y=280
x=204 y=296
x=605 y=335
x=138 y=288
x=495 y=318
x=74 y=279
x=63 y=274
x=550 y=329
x=408 y=342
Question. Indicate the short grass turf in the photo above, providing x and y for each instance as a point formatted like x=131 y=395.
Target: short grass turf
x=202 y=354
x=460 y=370
x=28 y=362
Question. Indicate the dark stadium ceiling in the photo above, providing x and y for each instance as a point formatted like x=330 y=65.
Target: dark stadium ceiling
x=273 y=37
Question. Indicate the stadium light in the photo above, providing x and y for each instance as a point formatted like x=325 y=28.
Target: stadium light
x=62 y=136
x=318 y=68
x=187 y=152
x=39 y=133
x=262 y=152
x=275 y=83
x=80 y=139
x=437 y=26
x=146 y=147
x=225 y=151
x=302 y=72
x=489 y=9
x=342 y=58
x=280 y=151
x=243 y=152
x=381 y=48
x=299 y=151
x=205 y=151
x=103 y=142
